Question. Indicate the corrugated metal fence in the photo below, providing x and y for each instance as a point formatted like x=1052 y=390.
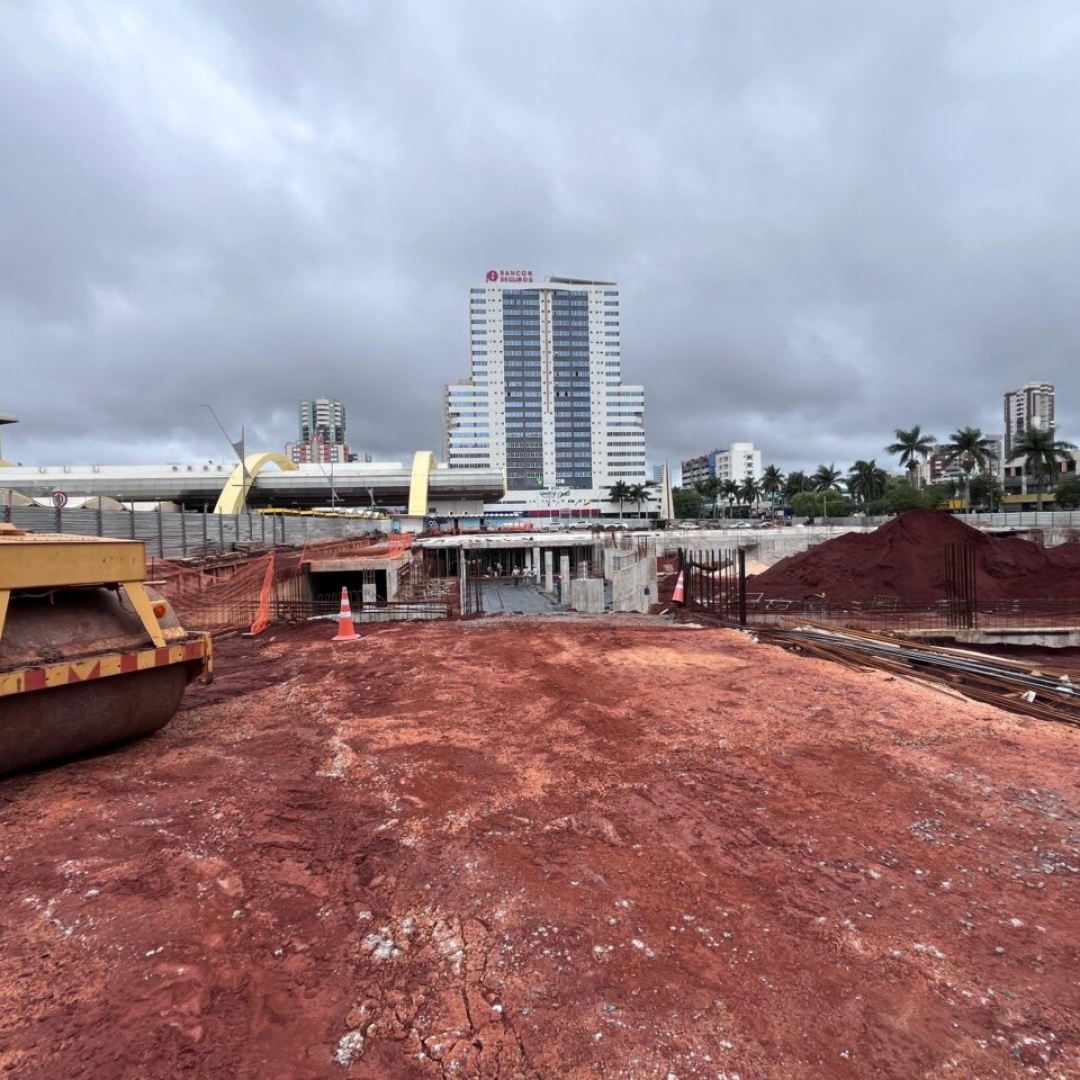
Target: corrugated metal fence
x=177 y=535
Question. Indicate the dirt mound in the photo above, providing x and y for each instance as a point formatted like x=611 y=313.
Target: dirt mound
x=906 y=559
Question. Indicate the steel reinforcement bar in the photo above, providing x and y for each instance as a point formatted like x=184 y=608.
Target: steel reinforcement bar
x=1007 y=684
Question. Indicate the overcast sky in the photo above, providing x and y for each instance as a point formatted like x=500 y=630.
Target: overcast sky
x=827 y=219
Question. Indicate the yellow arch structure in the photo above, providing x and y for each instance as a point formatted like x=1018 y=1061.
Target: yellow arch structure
x=233 y=495
x=422 y=464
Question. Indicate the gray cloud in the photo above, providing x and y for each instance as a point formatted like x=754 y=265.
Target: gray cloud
x=828 y=221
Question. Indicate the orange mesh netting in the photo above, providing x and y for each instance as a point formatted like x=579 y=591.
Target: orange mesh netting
x=244 y=593
x=262 y=619
x=216 y=598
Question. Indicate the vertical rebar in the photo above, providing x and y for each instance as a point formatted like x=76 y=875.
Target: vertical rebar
x=742 y=587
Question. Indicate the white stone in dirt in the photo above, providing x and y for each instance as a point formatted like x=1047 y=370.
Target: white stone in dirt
x=381 y=945
x=350 y=1045
x=929 y=950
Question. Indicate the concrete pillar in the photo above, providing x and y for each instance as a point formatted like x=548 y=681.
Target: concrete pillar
x=369 y=592
x=587 y=594
x=549 y=572
x=564 y=573
x=536 y=564
x=392 y=583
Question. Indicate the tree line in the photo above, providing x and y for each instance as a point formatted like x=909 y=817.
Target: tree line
x=867 y=487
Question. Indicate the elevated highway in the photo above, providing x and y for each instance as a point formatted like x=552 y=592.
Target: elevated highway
x=417 y=487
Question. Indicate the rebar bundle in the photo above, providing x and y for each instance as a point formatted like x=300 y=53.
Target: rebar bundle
x=1008 y=684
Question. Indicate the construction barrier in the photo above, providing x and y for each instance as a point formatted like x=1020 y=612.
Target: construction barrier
x=241 y=592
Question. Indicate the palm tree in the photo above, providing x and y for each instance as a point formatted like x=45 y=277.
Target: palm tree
x=772 y=484
x=749 y=492
x=826 y=478
x=638 y=494
x=796 y=482
x=1042 y=454
x=866 y=481
x=971 y=448
x=912 y=445
x=709 y=489
x=730 y=490
x=619 y=492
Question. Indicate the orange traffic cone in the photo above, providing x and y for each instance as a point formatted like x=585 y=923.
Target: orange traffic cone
x=346 y=630
x=677 y=595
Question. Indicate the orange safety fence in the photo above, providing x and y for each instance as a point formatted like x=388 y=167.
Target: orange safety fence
x=375 y=548
x=262 y=619
x=204 y=600
x=241 y=595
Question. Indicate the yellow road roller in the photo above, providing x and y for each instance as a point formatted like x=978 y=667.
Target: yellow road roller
x=90 y=655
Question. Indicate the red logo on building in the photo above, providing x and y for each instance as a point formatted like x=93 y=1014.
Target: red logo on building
x=511 y=277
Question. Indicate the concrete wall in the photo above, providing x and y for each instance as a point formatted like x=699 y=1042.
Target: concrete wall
x=628 y=586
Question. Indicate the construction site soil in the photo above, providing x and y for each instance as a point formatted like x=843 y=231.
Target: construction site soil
x=906 y=559
x=547 y=847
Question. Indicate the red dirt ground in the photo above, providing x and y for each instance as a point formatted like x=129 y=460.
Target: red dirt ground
x=906 y=558
x=547 y=848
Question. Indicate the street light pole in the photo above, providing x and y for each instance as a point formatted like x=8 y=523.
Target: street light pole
x=238 y=449
x=322 y=447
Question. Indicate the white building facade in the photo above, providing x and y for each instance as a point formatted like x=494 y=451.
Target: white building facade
x=545 y=401
x=740 y=462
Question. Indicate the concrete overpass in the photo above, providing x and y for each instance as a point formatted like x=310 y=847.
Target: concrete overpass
x=418 y=487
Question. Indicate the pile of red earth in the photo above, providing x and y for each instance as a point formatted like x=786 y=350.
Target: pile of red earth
x=906 y=559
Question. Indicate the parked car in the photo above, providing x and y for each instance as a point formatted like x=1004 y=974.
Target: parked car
x=689 y=525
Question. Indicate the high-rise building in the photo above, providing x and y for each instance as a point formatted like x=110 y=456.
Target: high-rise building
x=938 y=467
x=324 y=418
x=545 y=400
x=1032 y=406
x=322 y=432
x=739 y=462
